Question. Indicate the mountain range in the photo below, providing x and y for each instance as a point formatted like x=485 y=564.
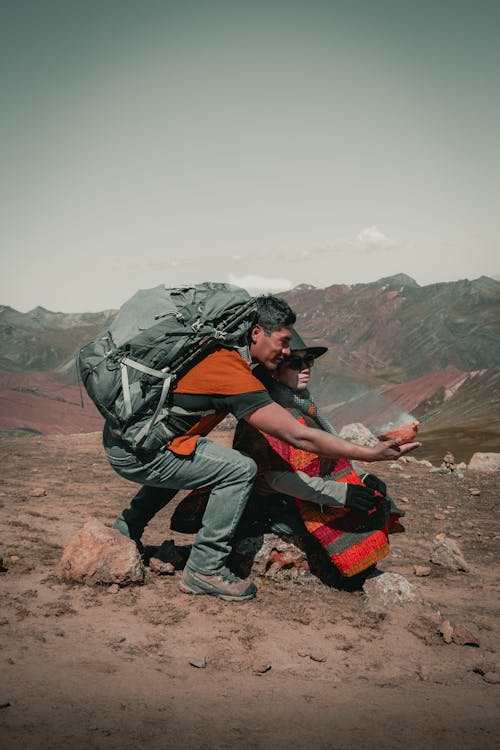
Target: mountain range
x=396 y=350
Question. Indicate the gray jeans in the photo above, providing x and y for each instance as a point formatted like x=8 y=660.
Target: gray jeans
x=163 y=474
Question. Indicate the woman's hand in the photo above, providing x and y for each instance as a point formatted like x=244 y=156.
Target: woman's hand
x=389 y=450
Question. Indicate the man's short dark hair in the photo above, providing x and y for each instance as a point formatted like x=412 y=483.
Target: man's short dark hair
x=273 y=313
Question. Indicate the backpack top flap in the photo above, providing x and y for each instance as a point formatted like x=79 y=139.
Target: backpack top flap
x=209 y=302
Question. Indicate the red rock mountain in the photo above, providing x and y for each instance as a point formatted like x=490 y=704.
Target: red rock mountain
x=396 y=351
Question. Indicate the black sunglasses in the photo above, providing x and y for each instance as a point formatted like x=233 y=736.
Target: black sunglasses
x=295 y=362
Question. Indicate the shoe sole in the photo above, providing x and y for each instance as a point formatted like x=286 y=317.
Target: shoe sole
x=186 y=589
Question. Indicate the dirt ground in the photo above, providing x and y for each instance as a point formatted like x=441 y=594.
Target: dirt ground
x=86 y=667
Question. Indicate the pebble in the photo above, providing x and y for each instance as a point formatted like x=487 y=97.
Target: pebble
x=404 y=500
x=474 y=491
x=317 y=657
x=198 y=661
x=161 y=568
x=261 y=668
x=302 y=653
x=446 y=630
x=38 y=492
x=492 y=677
x=14 y=558
x=60 y=633
x=113 y=589
x=421 y=570
x=431 y=492
x=439 y=516
x=462 y=636
x=396 y=466
x=424 y=673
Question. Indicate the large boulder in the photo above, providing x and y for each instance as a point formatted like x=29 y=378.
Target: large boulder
x=485 y=462
x=97 y=554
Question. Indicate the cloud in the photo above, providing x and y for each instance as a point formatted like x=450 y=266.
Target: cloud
x=372 y=239
x=257 y=284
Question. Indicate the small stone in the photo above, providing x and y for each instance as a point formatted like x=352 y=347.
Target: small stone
x=405 y=476
x=474 y=491
x=485 y=462
x=446 y=630
x=4 y=621
x=455 y=534
x=161 y=568
x=421 y=570
x=38 y=492
x=14 y=558
x=317 y=657
x=439 y=516
x=261 y=668
x=462 y=636
x=302 y=654
x=60 y=633
x=113 y=589
x=424 y=673
x=492 y=677
x=431 y=492
x=198 y=661
x=387 y=590
x=404 y=499
x=397 y=466
x=447 y=553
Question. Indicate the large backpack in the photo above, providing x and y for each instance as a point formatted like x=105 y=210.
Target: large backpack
x=157 y=336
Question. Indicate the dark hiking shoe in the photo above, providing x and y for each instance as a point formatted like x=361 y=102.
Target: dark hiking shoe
x=122 y=526
x=225 y=585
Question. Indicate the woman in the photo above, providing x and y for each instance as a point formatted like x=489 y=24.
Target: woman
x=300 y=493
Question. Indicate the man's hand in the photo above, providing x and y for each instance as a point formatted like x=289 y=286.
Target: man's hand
x=388 y=450
x=374 y=483
x=360 y=498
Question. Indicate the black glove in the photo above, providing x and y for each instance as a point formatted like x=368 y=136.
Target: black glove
x=360 y=498
x=374 y=483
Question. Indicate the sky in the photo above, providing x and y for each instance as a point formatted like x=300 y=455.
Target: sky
x=267 y=143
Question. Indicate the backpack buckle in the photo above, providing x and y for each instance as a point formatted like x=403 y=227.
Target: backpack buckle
x=196 y=325
x=219 y=334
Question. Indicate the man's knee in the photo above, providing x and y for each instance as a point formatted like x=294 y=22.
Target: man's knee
x=247 y=467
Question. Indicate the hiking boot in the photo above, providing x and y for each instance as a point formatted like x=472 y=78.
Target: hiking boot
x=123 y=527
x=224 y=585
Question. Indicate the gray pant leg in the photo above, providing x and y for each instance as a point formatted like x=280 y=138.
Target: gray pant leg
x=230 y=473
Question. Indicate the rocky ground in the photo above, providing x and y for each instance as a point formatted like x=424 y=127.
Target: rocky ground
x=302 y=665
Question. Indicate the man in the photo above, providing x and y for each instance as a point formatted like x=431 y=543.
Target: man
x=222 y=383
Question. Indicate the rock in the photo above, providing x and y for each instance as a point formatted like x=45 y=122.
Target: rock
x=421 y=570
x=113 y=589
x=475 y=491
x=261 y=668
x=404 y=500
x=279 y=558
x=462 y=636
x=439 y=517
x=446 y=630
x=302 y=654
x=447 y=553
x=358 y=433
x=161 y=568
x=387 y=590
x=97 y=554
x=424 y=673
x=405 y=434
x=397 y=466
x=485 y=462
x=198 y=661
x=461 y=466
x=425 y=462
x=317 y=657
x=492 y=677
x=37 y=492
